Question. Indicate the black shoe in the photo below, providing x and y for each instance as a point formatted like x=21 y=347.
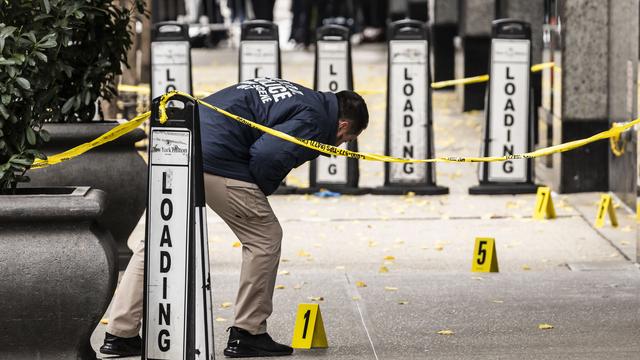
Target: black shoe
x=115 y=345
x=242 y=344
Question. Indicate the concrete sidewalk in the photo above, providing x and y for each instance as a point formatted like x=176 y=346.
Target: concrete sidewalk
x=561 y=272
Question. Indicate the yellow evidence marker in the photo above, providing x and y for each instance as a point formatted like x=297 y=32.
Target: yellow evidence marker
x=544 y=204
x=606 y=206
x=308 y=331
x=485 y=257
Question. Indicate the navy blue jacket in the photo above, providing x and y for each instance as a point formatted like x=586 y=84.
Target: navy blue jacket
x=233 y=150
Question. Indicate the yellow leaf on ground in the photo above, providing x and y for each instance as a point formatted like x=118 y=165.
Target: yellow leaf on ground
x=445 y=332
x=226 y=305
x=303 y=253
x=497 y=301
x=513 y=205
x=438 y=247
x=340 y=267
x=316 y=298
x=236 y=244
x=545 y=326
x=390 y=288
x=104 y=321
x=220 y=319
x=563 y=204
x=389 y=257
x=283 y=272
x=360 y=284
x=403 y=302
x=383 y=269
x=284 y=260
x=626 y=228
x=476 y=278
x=355 y=298
x=372 y=243
x=279 y=287
x=526 y=267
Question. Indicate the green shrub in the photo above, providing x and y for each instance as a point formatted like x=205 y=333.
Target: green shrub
x=56 y=58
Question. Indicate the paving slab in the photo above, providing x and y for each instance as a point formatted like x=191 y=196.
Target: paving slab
x=622 y=237
x=346 y=337
x=426 y=244
x=594 y=315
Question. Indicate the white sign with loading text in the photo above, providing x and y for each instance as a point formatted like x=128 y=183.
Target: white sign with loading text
x=259 y=59
x=408 y=109
x=509 y=108
x=167 y=244
x=170 y=67
x=333 y=73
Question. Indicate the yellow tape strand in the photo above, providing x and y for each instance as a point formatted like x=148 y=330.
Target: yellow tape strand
x=334 y=150
x=613 y=133
x=482 y=78
x=110 y=135
x=613 y=142
x=145 y=90
x=463 y=81
x=542 y=66
x=142 y=89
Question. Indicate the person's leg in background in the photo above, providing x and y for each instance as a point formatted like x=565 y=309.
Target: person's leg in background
x=246 y=210
x=374 y=16
x=122 y=337
x=263 y=9
x=238 y=11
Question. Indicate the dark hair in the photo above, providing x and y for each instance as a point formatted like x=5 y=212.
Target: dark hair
x=352 y=107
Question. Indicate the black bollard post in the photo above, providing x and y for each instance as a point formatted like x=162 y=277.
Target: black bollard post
x=409 y=130
x=203 y=300
x=333 y=72
x=170 y=59
x=177 y=320
x=259 y=50
x=509 y=112
x=259 y=58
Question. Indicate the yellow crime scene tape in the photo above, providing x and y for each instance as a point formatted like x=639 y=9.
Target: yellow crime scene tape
x=614 y=140
x=124 y=128
x=144 y=89
x=110 y=135
x=613 y=133
x=334 y=150
x=139 y=89
x=483 y=78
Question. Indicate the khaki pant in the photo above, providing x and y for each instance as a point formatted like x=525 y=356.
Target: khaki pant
x=246 y=210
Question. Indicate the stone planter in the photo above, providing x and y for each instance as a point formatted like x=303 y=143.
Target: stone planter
x=58 y=272
x=116 y=168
